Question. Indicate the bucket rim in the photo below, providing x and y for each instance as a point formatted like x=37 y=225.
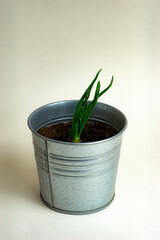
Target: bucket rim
x=73 y=143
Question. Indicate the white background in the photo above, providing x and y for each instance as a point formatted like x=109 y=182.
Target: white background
x=50 y=50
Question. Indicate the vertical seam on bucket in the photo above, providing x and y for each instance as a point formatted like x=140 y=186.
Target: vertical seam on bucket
x=49 y=173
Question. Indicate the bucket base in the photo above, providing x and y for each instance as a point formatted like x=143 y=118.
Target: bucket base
x=76 y=212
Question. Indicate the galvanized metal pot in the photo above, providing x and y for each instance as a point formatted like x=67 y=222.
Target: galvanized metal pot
x=76 y=178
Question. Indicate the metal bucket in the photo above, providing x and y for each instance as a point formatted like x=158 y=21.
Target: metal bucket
x=76 y=178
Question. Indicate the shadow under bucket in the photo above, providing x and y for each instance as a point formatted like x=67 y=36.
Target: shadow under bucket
x=76 y=178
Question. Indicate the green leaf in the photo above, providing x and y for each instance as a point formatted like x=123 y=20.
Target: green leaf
x=86 y=114
x=106 y=89
x=85 y=96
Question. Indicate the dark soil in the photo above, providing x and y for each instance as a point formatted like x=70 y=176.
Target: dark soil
x=93 y=131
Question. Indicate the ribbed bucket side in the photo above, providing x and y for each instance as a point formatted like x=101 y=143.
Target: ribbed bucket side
x=41 y=156
x=86 y=181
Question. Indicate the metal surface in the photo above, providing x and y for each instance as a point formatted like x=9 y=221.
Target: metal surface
x=76 y=212
x=76 y=178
